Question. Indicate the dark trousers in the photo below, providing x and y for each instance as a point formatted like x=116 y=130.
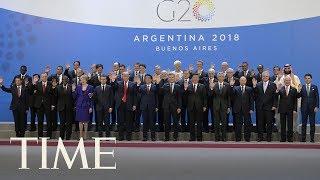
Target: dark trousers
x=42 y=111
x=137 y=123
x=168 y=113
x=33 y=115
x=103 y=117
x=161 y=121
x=66 y=123
x=265 y=122
x=125 y=121
x=286 y=121
x=311 y=115
x=195 y=117
x=149 y=123
x=113 y=116
x=185 y=119
x=54 y=119
x=19 y=116
x=220 y=131
x=240 y=119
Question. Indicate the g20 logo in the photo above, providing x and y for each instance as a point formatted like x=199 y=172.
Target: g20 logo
x=180 y=10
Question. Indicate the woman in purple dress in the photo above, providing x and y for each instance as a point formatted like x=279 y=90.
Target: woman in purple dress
x=83 y=103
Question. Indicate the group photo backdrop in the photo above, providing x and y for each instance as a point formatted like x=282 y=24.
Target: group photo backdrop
x=42 y=32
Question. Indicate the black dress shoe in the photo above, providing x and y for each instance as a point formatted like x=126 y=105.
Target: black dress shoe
x=192 y=140
x=166 y=139
x=153 y=139
x=175 y=139
x=312 y=140
x=144 y=139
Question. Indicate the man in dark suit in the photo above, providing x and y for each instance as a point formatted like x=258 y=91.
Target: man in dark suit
x=249 y=74
x=26 y=80
x=44 y=103
x=260 y=70
x=23 y=76
x=309 y=106
x=171 y=105
x=72 y=73
x=103 y=98
x=125 y=103
x=287 y=107
x=33 y=110
x=184 y=115
x=19 y=104
x=211 y=79
x=202 y=74
x=148 y=94
x=220 y=92
x=243 y=102
x=58 y=75
x=196 y=105
x=65 y=107
x=265 y=105
x=95 y=82
x=232 y=81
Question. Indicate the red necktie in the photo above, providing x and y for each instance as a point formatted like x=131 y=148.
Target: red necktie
x=125 y=88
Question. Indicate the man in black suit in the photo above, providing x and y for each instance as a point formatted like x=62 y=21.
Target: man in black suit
x=232 y=81
x=202 y=74
x=43 y=92
x=184 y=115
x=58 y=75
x=125 y=103
x=95 y=82
x=19 y=104
x=309 y=106
x=103 y=98
x=287 y=107
x=171 y=105
x=211 y=79
x=148 y=94
x=196 y=105
x=220 y=92
x=243 y=102
x=249 y=74
x=260 y=70
x=265 y=104
x=72 y=73
x=26 y=80
x=23 y=76
x=65 y=107
x=33 y=110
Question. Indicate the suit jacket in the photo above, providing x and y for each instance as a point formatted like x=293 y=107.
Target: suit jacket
x=209 y=95
x=26 y=76
x=64 y=97
x=16 y=101
x=71 y=74
x=148 y=99
x=45 y=98
x=287 y=103
x=171 y=100
x=249 y=77
x=267 y=100
x=221 y=98
x=103 y=100
x=202 y=76
x=184 y=94
x=311 y=101
x=242 y=102
x=54 y=76
x=119 y=92
x=196 y=100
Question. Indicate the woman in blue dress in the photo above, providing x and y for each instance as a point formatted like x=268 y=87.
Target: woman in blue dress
x=83 y=103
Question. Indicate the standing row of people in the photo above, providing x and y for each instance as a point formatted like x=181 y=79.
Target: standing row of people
x=181 y=100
